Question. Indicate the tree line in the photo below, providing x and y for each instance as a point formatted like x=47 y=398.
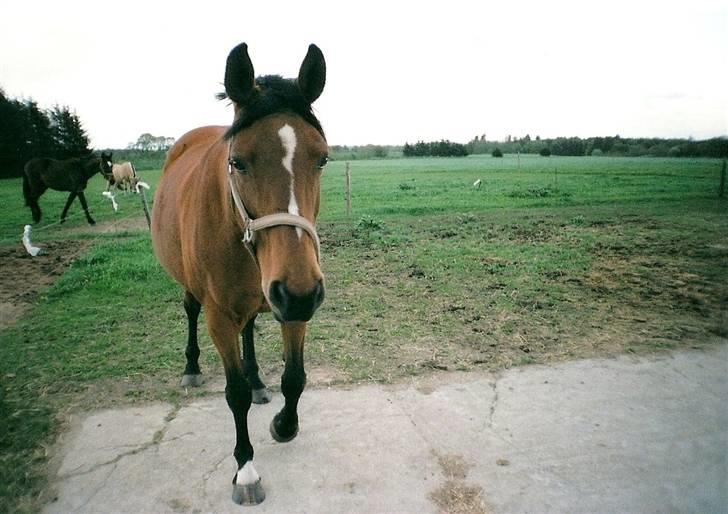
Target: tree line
x=28 y=131
x=149 y=143
x=442 y=148
x=611 y=145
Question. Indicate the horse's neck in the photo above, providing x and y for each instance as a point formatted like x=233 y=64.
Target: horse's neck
x=212 y=188
x=91 y=168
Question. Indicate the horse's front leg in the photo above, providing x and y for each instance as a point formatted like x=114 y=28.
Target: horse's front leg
x=247 y=489
x=250 y=364
x=82 y=197
x=71 y=197
x=284 y=426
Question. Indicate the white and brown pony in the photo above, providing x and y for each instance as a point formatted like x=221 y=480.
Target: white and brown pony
x=123 y=176
x=233 y=223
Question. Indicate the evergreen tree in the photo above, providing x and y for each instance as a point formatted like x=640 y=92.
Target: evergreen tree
x=38 y=134
x=12 y=137
x=69 y=135
x=27 y=131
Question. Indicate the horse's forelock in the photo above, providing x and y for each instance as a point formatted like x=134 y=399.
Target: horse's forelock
x=273 y=94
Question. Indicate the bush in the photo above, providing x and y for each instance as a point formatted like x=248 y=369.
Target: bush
x=596 y=152
x=368 y=223
x=497 y=153
x=545 y=152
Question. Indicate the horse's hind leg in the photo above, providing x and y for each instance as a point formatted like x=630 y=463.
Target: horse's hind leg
x=250 y=365
x=35 y=209
x=192 y=376
x=71 y=197
x=284 y=426
x=82 y=197
x=32 y=191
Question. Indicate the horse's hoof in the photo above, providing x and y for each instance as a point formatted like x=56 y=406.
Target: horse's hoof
x=63 y=220
x=191 y=381
x=249 y=494
x=91 y=222
x=261 y=395
x=281 y=437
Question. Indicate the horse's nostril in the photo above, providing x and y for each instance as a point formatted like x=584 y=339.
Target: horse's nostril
x=278 y=293
x=319 y=293
x=293 y=307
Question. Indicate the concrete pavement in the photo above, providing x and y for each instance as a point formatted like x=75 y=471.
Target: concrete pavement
x=614 y=435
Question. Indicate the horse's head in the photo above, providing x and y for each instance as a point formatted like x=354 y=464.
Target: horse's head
x=277 y=151
x=106 y=165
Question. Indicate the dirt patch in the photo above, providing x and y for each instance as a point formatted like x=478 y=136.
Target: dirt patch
x=119 y=225
x=456 y=496
x=23 y=278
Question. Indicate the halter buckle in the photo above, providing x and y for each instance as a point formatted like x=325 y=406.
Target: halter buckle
x=248 y=234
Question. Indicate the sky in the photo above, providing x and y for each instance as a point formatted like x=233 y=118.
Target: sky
x=397 y=71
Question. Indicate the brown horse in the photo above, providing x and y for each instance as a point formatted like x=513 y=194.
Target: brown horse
x=233 y=223
x=70 y=175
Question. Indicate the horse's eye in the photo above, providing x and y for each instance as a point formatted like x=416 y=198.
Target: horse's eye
x=238 y=164
x=322 y=161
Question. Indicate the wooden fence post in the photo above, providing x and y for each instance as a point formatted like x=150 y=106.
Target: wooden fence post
x=721 y=189
x=348 y=189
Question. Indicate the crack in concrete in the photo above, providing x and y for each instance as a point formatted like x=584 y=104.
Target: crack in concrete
x=157 y=439
x=212 y=471
x=207 y=475
x=98 y=489
x=493 y=404
x=396 y=402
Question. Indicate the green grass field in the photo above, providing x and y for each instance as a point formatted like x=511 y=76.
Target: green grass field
x=549 y=259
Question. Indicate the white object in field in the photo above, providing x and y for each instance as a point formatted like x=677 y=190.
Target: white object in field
x=141 y=184
x=32 y=250
x=476 y=184
x=110 y=196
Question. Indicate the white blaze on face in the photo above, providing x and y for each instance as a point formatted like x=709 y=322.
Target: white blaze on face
x=288 y=140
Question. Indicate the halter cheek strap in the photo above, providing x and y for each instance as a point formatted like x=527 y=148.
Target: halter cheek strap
x=251 y=226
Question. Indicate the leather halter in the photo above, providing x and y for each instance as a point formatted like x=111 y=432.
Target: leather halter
x=251 y=225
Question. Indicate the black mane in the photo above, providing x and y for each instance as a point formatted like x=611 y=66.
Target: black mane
x=273 y=94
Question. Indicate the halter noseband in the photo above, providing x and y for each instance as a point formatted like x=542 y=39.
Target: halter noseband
x=251 y=226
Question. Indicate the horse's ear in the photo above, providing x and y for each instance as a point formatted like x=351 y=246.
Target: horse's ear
x=312 y=76
x=239 y=77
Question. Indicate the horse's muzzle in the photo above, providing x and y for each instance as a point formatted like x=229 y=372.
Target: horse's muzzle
x=288 y=306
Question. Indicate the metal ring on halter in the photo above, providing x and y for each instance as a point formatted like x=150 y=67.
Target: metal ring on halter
x=248 y=235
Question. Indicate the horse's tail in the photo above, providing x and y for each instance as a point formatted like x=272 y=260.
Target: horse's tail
x=26 y=189
x=30 y=199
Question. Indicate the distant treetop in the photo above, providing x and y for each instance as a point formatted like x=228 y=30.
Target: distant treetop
x=28 y=131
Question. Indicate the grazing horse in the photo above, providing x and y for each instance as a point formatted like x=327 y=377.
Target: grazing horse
x=70 y=175
x=233 y=223
x=123 y=176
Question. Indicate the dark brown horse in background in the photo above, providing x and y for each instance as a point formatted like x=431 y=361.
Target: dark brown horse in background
x=233 y=223
x=70 y=175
